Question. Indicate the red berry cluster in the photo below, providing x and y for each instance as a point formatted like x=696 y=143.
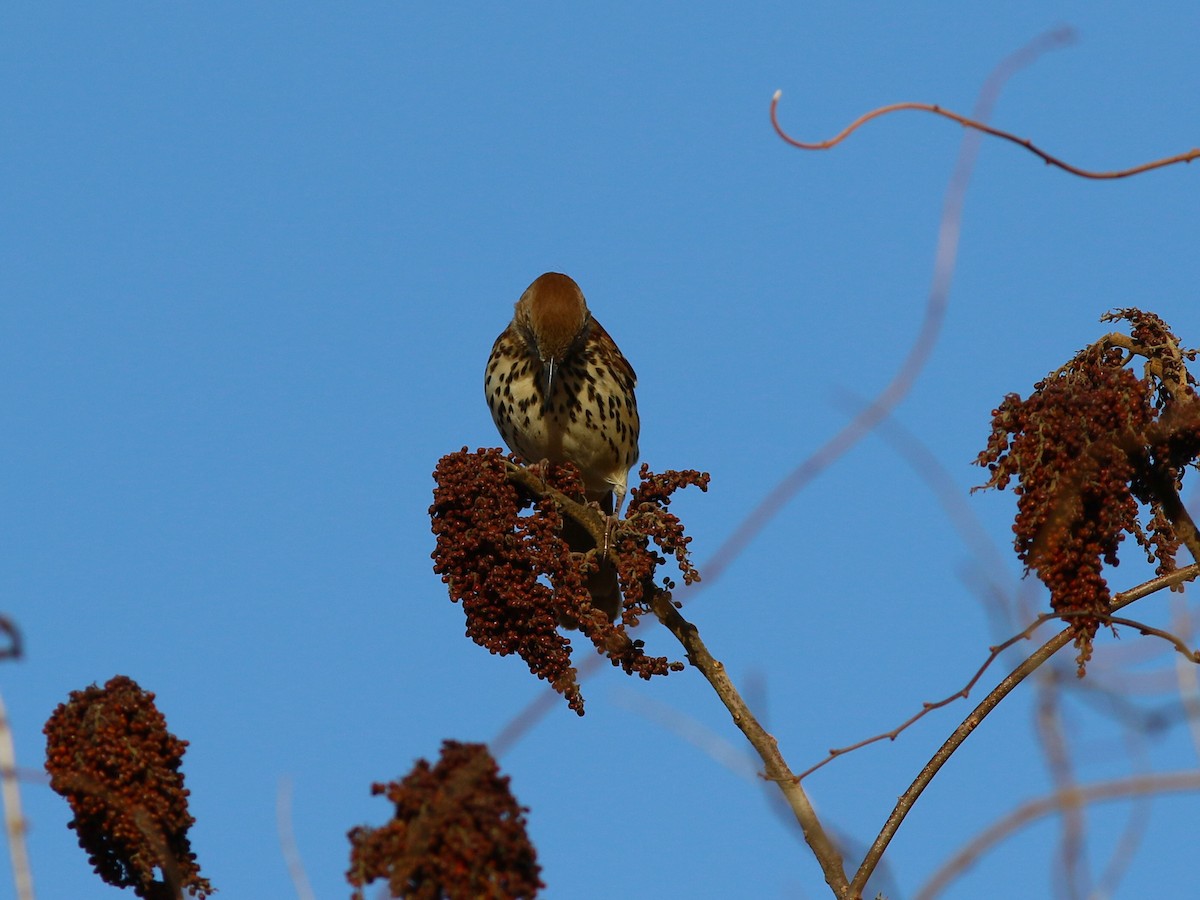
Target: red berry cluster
x=1091 y=443
x=108 y=752
x=501 y=551
x=457 y=832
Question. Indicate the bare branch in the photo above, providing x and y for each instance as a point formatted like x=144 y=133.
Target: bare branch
x=1148 y=630
x=1186 y=676
x=927 y=708
x=1027 y=813
x=945 y=258
x=776 y=769
x=1053 y=739
x=14 y=819
x=978 y=126
x=977 y=715
x=589 y=518
x=287 y=841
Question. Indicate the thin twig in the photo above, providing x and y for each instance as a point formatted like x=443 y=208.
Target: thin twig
x=1053 y=740
x=776 y=769
x=1188 y=682
x=1149 y=631
x=978 y=126
x=588 y=517
x=14 y=819
x=947 y=749
x=977 y=715
x=287 y=841
x=689 y=730
x=1132 y=836
x=1142 y=785
x=936 y=304
x=966 y=523
x=928 y=707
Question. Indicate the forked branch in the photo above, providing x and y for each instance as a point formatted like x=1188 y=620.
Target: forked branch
x=929 y=706
x=977 y=715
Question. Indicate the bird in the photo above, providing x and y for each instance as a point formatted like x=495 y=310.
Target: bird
x=560 y=390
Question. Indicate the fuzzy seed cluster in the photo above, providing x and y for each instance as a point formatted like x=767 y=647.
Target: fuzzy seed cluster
x=109 y=754
x=1091 y=446
x=501 y=553
x=457 y=831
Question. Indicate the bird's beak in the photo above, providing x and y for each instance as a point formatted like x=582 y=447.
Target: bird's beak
x=549 y=367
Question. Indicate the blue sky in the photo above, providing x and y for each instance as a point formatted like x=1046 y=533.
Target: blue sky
x=255 y=257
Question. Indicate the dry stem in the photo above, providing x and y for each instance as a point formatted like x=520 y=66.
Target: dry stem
x=776 y=769
x=928 y=707
x=1186 y=157
x=14 y=820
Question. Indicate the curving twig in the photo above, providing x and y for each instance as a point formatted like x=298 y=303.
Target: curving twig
x=936 y=304
x=1027 y=813
x=1026 y=143
x=287 y=841
x=1150 y=631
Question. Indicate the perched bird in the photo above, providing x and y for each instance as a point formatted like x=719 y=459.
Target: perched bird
x=560 y=390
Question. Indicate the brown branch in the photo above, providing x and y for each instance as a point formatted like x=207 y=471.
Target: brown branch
x=927 y=708
x=1149 y=631
x=776 y=769
x=936 y=303
x=1176 y=388
x=1141 y=785
x=1047 y=40
x=977 y=715
x=1173 y=508
x=965 y=691
x=588 y=517
x=978 y=126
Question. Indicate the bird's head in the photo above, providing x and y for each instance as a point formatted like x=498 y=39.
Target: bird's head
x=553 y=317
